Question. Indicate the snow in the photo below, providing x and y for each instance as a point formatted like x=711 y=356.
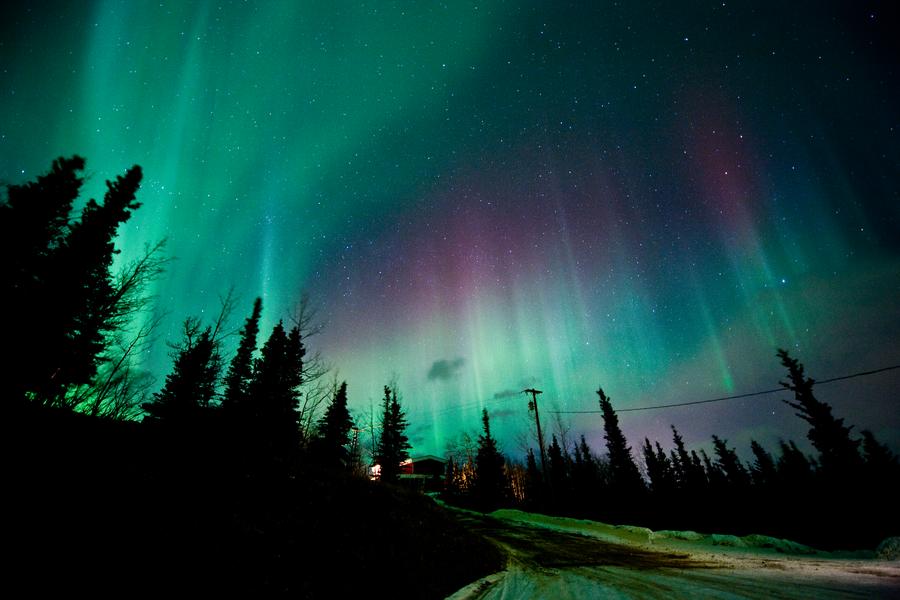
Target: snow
x=754 y=566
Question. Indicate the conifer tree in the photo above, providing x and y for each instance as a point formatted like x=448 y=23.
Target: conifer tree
x=393 y=445
x=490 y=488
x=334 y=430
x=623 y=472
x=240 y=371
x=659 y=469
x=295 y=354
x=584 y=476
x=763 y=469
x=699 y=471
x=689 y=476
x=191 y=385
x=838 y=452
x=534 y=488
x=714 y=473
x=728 y=461
x=82 y=277
x=794 y=468
x=56 y=282
x=558 y=467
x=880 y=461
x=587 y=454
x=274 y=396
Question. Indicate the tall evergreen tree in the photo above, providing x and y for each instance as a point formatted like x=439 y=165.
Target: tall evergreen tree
x=687 y=466
x=274 y=395
x=393 y=445
x=584 y=476
x=491 y=488
x=728 y=461
x=699 y=471
x=534 y=488
x=191 y=385
x=659 y=469
x=558 y=471
x=681 y=461
x=295 y=354
x=240 y=371
x=838 y=452
x=334 y=430
x=763 y=469
x=794 y=468
x=716 y=477
x=56 y=282
x=33 y=226
x=623 y=472
x=83 y=278
x=880 y=461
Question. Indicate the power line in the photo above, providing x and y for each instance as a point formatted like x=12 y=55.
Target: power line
x=772 y=391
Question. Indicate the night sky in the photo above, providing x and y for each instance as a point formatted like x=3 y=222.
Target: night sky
x=482 y=197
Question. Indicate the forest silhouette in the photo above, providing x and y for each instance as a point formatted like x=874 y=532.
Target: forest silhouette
x=839 y=498
x=246 y=473
x=237 y=476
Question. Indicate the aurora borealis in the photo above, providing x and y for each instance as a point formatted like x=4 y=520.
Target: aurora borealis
x=485 y=196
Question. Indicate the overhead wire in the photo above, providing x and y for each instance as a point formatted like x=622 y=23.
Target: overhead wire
x=723 y=398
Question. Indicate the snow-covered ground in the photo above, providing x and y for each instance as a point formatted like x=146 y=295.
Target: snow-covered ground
x=558 y=558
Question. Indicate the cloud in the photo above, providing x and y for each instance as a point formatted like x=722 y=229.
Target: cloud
x=526 y=382
x=503 y=413
x=445 y=370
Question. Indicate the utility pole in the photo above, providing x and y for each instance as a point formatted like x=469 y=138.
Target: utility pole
x=537 y=419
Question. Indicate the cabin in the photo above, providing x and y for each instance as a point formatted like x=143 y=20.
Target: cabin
x=424 y=473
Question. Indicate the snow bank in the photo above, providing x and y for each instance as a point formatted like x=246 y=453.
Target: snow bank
x=643 y=536
x=603 y=531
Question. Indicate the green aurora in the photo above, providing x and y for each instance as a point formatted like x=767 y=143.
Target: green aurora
x=487 y=196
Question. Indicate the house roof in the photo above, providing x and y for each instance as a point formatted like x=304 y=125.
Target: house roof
x=416 y=459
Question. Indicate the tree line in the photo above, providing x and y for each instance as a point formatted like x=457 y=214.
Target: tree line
x=73 y=328
x=72 y=342
x=838 y=497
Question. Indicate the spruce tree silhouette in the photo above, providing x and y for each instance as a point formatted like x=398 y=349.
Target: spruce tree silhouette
x=236 y=400
x=491 y=487
x=191 y=385
x=716 y=477
x=56 y=280
x=534 y=484
x=838 y=453
x=727 y=460
x=330 y=444
x=879 y=458
x=659 y=469
x=625 y=479
x=794 y=468
x=762 y=471
x=393 y=445
x=558 y=470
x=274 y=424
x=584 y=477
x=688 y=469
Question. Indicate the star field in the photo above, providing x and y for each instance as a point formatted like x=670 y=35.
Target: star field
x=486 y=196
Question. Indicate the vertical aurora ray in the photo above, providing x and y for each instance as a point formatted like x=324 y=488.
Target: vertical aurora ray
x=543 y=194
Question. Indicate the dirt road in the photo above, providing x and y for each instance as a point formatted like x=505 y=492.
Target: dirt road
x=544 y=563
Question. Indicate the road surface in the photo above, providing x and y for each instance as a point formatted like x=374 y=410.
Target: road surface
x=544 y=563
